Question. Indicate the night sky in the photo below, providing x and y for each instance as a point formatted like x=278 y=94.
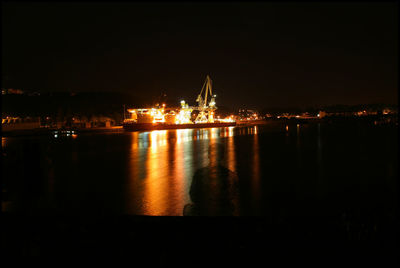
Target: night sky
x=258 y=55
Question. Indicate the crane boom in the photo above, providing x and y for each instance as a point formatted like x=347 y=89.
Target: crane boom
x=206 y=110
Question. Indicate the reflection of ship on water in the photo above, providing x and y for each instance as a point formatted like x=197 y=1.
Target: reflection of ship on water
x=161 y=117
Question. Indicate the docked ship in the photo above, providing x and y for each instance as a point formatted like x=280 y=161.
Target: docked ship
x=161 y=117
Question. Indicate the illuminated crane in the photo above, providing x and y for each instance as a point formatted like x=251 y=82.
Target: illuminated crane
x=206 y=112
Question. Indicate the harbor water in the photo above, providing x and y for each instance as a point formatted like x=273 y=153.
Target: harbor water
x=280 y=170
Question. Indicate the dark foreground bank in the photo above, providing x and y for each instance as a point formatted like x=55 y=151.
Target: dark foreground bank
x=160 y=240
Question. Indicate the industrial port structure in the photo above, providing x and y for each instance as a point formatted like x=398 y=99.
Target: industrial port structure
x=161 y=117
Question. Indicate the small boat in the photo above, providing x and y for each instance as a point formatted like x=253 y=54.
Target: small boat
x=64 y=133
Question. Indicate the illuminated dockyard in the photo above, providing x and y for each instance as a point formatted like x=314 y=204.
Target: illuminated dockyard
x=200 y=133
x=162 y=117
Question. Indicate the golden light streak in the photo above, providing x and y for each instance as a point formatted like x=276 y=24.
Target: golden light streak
x=230 y=131
x=183 y=158
x=213 y=133
x=256 y=170
x=155 y=187
x=231 y=159
x=137 y=171
x=3 y=142
x=212 y=154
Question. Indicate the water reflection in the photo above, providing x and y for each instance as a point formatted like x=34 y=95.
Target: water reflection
x=256 y=169
x=183 y=169
x=151 y=173
x=214 y=189
x=157 y=162
x=299 y=162
x=162 y=165
x=231 y=161
x=319 y=161
x=319 y=146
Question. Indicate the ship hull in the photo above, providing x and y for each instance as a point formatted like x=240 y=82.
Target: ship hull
x=163 y=126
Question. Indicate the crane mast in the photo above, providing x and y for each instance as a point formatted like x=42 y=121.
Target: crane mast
x=206 y=112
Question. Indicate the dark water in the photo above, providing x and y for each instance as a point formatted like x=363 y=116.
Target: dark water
x=338 y=170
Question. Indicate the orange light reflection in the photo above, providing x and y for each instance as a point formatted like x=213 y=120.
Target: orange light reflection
x=231 y=160
x=3 y=142
x=256 y=170
x=156 y=187
x=183 y=170
x=162 y=167
x=137 y=171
